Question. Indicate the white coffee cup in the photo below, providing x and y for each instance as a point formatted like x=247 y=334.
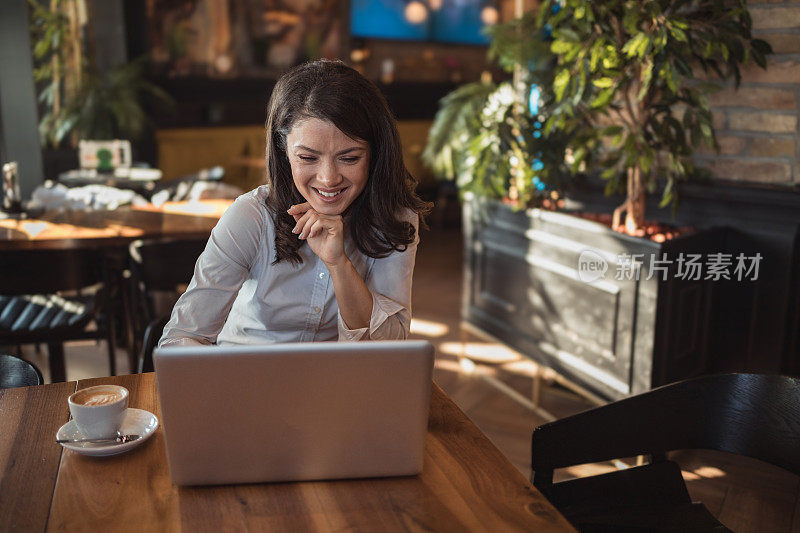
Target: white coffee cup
x=99 y=411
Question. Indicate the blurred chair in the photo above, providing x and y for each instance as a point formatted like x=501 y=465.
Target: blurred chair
x=52 y=296
x=159 y=265
x=16 y=372
x=746 y=414
x=152 y=334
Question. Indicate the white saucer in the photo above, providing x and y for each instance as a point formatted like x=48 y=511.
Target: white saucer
x=137 y=422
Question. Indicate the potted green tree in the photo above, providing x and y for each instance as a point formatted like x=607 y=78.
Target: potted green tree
x=626 y=90
x=617 y=97
x=76 y=101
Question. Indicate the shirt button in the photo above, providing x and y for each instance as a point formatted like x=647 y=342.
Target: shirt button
x=317 y=309
x=321 y=275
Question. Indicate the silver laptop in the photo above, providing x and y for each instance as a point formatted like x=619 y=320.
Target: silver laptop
x=290 y=412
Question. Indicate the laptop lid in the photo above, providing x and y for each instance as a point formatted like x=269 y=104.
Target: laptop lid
x=290 y=412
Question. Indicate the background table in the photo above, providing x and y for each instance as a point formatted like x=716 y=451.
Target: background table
x=466 y=483
x=111 y=229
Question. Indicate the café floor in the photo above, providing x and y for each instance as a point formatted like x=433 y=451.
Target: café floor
x=746 y=495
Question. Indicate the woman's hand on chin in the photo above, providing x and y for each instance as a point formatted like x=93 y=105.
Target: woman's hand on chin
x=324 y=233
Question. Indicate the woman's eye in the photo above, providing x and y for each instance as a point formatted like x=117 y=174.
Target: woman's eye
x=307 y=157
x=350 y=159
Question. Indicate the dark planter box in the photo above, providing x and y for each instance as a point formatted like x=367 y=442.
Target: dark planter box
x=616 y=337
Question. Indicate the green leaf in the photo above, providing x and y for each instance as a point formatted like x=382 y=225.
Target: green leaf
x=759 y=58
x=64 y=128
x=667 y=196
x=611 y=130
x=560 y=83
x=602 y=83
x=40 y=49
x=630 y=21
x=645 y=162
x=668 y=76
x=761 y=46
x=566 y=34
x=679 y=35
x=648 y=79
x=680 y=23
x=609 y=173
x=604 y=98
x=562 y=47
x=724 y=50
x=631 y=47
x=595 y=55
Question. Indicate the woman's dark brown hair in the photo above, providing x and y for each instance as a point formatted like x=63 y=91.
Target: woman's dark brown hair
x=332 y=91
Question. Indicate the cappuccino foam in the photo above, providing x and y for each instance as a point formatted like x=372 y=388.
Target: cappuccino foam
x=97 y=397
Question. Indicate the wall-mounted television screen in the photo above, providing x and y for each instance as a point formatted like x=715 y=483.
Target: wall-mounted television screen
x=455 y=21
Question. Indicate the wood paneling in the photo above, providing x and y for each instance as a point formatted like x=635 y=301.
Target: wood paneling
x=183 y=151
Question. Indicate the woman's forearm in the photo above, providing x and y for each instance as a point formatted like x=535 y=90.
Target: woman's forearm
x=352 y=295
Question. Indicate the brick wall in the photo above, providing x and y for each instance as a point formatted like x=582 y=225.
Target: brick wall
x=758 y=126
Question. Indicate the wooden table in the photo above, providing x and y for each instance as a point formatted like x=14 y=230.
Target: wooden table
x=111 y=229
x=466 y=483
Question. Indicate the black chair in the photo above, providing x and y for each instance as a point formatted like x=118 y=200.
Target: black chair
x=152 y=334
x=753 y=415
x=16 y=372
x=52 y=296
x=159 y=265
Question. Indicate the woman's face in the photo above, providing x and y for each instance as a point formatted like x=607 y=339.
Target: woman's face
x=329 y=168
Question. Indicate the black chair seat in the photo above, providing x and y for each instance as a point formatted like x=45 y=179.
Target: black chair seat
x=34 y=309
x=16 y=372
x=685 y=518
x=651 y=497
x=23 y=315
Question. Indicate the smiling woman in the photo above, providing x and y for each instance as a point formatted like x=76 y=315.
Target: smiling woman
x=325 y=250
x=334 y=173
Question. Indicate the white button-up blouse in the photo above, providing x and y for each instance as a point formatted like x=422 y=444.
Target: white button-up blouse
x=238 y=296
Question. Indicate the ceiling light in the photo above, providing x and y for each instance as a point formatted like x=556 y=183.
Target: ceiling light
x=416 y=13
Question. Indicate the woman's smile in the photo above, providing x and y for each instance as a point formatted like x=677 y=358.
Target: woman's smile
x=329 y=195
